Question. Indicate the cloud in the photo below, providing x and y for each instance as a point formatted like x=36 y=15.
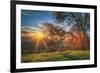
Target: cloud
x=25 y=13
x=29 y=28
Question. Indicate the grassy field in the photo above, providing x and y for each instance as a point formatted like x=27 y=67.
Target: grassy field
x=56 y=56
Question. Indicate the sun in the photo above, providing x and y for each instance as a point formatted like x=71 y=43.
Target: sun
x=40 y=35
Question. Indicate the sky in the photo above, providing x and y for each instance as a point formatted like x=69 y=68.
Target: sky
x=30 y=19
x=33 y=17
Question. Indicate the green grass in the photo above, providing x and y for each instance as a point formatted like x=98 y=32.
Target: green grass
x=56 y=56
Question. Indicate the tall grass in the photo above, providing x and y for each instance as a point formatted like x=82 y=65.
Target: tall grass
x=56 y=56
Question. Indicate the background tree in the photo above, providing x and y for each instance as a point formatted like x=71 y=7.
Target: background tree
x=79 y=22
x=56 y=33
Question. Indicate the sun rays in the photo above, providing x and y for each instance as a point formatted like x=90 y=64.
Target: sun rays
x=40 y=36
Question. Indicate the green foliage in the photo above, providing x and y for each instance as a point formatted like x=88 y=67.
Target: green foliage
x=56 y=56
